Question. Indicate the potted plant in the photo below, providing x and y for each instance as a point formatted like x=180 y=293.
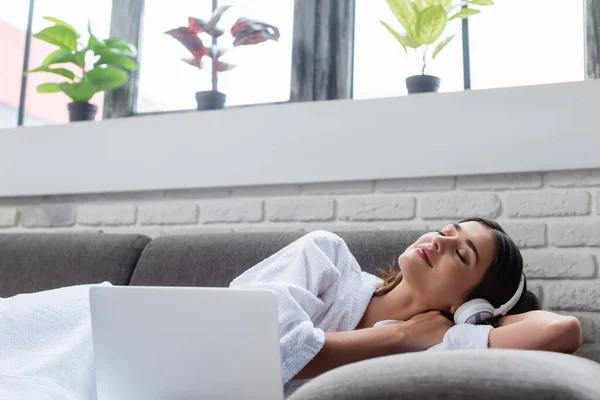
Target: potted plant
x=100 y=65
x=424 y=22
x=244 y=31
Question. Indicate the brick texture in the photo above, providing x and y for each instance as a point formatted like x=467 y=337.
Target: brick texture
x=500 y=182
x=301 y=209
x=569 y=179
x=8 y=217
x=106 y=215
x=575 y=234
x=248 y=210
x=588 y=329
x=582 y=296
x=547 y=264
x=48 y=216
x=376 y=208
x=168 y=214
x=338 y=188
x=442 y=206
x=271 y=190
x=415 y=184
x=526 y=234
x=552 y=204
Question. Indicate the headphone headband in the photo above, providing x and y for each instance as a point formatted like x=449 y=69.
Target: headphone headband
x=506 y=307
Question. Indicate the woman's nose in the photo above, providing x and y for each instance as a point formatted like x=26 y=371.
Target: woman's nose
x=441 y=243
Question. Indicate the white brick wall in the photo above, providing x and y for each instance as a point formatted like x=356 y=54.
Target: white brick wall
x=554 y=217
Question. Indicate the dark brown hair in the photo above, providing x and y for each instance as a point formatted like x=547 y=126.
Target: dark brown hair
x=500 y=281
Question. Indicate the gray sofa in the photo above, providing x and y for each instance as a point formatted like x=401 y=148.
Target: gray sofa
x=34 y=262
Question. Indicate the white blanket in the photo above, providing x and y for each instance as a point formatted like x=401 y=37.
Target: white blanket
x=46 y=345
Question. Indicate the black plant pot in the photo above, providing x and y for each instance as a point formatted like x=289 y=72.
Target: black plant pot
x=210 y=100
x=422 y=84
x=81 y=111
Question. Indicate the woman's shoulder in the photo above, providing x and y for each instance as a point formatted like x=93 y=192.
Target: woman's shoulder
x=321 y=234
x=326 y=239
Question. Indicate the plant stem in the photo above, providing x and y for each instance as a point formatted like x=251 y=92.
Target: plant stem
x=424 y=61
x=215 y=66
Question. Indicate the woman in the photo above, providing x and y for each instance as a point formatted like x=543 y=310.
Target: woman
x=331 y=313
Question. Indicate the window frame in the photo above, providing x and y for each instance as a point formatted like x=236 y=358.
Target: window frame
x=328 y=79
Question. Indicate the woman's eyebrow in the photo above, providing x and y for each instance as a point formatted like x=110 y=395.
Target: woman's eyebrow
x=469 y=243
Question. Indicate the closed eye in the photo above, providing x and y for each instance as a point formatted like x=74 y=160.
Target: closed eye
x=462 y=259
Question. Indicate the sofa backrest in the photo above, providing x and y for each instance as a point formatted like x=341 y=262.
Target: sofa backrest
x=216 y=259
x=35 y=262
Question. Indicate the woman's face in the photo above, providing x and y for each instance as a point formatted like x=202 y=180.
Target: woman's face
x=444 y=267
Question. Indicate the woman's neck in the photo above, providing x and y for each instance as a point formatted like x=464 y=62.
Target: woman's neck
x=399 y=304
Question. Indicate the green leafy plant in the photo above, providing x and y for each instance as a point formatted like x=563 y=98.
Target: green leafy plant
x=100 y=65
x=424 y=22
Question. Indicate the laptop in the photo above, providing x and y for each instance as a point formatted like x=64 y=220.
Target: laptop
x=185 y=343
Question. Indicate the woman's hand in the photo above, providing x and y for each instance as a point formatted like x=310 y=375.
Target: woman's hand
x=422 y=331
x=341 y=348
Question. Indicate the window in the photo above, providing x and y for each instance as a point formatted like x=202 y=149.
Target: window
x=516 y=43
x=380 y=63
x=13 y=27
x=45 y=108
x=262 y=74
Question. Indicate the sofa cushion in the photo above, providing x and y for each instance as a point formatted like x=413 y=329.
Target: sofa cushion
x=215 y=260
x=35 y=262
x=475 y=374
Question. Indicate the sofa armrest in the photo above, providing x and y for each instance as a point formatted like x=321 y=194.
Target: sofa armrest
x=476 y=374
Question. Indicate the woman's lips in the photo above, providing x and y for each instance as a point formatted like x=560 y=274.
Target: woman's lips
x=422 y=252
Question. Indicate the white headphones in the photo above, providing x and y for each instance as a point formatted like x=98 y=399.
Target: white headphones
x=479 y=310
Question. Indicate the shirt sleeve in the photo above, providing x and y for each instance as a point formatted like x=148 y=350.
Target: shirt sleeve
x=465 y=336
x=305 y=276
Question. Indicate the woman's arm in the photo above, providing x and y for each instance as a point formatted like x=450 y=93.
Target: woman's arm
x=537 y=330
x=341 y=348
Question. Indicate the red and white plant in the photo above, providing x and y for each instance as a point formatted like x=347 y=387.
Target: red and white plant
x=244 y=31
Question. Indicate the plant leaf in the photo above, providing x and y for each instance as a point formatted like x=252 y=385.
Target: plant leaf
x=401 y=39
x=223 y=66
x=60 y=36
x=63 y=23
x=441 y=45
x=464 y=13
x=193 y=62
x=58 y=71
x=248 y=31
x=423 y=4
x=59 y=56
x=482 y=2
x=120 y=45
x=189 y=40
x=80 y=57
x=79 y=91
x=214 y=20
x=197 y=25
x=48 y=88
x=431 y=24
x=93 y=41
x=109 y=58
x=106 y=79
x=405 y=12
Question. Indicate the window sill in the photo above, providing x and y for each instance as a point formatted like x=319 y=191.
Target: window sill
x=538 y=128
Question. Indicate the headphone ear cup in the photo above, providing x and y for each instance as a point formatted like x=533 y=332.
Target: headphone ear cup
x=474 y=312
